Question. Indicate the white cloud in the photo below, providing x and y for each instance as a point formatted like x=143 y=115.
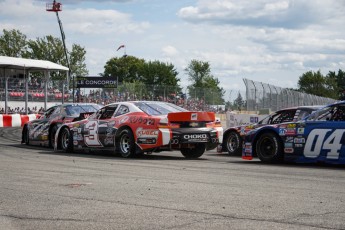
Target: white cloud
x=272 y=41
x=102 y=22
x=169 y=51
x=264 y=13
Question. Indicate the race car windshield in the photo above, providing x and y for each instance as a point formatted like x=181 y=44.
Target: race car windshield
x=158 y=108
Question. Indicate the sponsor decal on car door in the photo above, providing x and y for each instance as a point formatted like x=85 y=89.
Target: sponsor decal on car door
x=329 y=141
x=91 y=137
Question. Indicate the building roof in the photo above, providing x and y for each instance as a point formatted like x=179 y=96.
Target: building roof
x=29 y=64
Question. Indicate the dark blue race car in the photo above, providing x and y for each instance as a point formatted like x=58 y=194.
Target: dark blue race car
x=318 y=138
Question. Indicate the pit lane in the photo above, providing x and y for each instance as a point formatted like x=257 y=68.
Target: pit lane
x=42 y=189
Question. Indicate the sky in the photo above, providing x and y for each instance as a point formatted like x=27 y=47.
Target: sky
x=268 y=41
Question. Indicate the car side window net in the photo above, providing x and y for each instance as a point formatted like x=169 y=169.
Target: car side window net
x=49 y=112
x=285 y=116
x=106 y=112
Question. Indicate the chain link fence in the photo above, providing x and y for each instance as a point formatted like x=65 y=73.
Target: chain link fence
x=36 y=90
x=51 y=92
x=263 y=96
x=199 y=100
x=258 y=96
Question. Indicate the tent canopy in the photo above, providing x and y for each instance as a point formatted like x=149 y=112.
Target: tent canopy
x=29 y=64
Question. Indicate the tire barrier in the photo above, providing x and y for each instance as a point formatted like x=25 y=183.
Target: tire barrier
x=16 y=120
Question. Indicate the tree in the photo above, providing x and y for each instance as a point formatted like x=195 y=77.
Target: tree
x=203 y=84
x=47 y=48
x=160 y=77
x=51 y=49
x=125 y=68
x=239 y=102
x=336 y=84
x=331 y=85
x=156 y=72
x=313 y=83
x=77 y=62
x=13 y=44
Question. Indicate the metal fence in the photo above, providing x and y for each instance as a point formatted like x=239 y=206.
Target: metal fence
x=261 y=96
x=258 y=96
x=202 y=99
x=36 y=91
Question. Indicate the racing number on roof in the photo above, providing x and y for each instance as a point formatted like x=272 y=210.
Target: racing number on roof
x=317 y=142
x=92 y=139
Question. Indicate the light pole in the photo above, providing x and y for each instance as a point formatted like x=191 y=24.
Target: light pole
x=56 y=7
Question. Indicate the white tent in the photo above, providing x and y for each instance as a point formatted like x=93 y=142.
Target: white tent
x=28 y=65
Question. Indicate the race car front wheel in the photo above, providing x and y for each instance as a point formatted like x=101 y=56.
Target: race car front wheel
x=193 y=152
x=25 y=138
x=233 y=143
x=269 y=148
x=126 y=145
x=52 y=136
x=66 y=140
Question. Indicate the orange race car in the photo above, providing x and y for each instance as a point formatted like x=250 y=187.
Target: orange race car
x=137 y=127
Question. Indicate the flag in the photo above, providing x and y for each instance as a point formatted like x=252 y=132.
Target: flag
x=121 y=46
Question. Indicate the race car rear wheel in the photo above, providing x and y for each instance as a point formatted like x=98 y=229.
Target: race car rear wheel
x=269 y=148
x=126 y=145
x=25 y=138
x=66 y=140
x=233 y=143
x=193 y=152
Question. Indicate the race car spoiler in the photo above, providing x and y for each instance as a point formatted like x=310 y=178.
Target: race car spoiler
x=192 y=116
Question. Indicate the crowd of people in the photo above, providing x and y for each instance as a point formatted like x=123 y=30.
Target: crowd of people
x=21 y=110
x=16 y=90
x=192 y=104
x=17 y=93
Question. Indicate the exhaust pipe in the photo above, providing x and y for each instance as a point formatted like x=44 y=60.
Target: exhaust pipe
x=174 y=141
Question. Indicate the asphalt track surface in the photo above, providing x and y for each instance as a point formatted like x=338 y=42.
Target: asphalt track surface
x=42 y=189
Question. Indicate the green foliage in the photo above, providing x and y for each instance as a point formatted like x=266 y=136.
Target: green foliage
x=330 y=86
x=154 y=74
x=126 y=68
x=13 y=44
x=77 y=61
x=203 y=84
x=313 y=83
x=239 y=102
x=197 y=72
x=336 y=84
x=135 y=88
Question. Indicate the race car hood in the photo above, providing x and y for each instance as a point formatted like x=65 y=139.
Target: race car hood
x=191 y=116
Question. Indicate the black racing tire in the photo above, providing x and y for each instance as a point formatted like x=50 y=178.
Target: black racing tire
x=269 y=148
x=51 y=136
x=193 y=153
x=233 y=143
x=66 y=140
x=126 y=144
x=25 y=136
